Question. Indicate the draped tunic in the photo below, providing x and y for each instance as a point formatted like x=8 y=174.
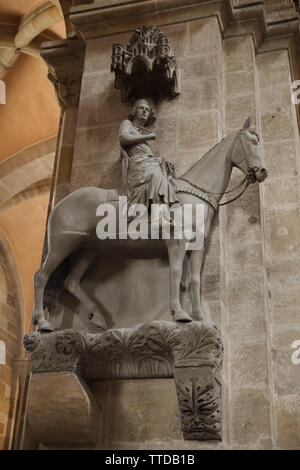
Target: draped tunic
x=147 y=176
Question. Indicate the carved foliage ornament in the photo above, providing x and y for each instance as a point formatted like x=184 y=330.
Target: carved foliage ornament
x=191 y=353
x=145 y=67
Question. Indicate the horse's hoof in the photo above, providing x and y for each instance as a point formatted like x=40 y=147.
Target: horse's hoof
x=198 y=316
x=182 y=317
x=97 y=323
x=45 y=327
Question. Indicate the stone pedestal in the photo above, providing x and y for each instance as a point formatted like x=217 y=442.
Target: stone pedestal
x=65 y=362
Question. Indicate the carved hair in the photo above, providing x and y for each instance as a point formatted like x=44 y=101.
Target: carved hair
x=152 y=115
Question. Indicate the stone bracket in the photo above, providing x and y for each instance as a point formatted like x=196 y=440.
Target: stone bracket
x=65 y=60
x=192 y=353
x=199 y=400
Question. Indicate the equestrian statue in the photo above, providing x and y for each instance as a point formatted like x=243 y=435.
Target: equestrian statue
x=149 y=180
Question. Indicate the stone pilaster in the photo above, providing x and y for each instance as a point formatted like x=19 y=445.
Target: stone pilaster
x=65 y=62
x=243 y=283
x=281 y=240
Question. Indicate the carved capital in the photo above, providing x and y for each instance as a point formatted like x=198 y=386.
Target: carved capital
x=65 y=60
x=60 y=351
x=67 y=90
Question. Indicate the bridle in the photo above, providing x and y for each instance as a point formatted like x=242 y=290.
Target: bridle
x=250 y=177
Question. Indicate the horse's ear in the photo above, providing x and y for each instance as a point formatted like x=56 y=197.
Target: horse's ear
x=248 y=123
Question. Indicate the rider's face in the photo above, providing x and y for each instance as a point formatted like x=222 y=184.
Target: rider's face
x=142 y=112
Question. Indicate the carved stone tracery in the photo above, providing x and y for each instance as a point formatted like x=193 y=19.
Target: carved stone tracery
x=145 y=67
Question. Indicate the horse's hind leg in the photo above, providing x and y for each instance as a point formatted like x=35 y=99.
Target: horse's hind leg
x=81 y=263
x=185 y=294
x=59 y=247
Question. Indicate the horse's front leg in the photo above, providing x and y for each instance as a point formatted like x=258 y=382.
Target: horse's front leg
x=176 y=250
x=196 y=259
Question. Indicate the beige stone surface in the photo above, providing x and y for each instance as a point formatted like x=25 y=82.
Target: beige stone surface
x=137 y=411
x=281 y=159
x=287 y=421
x=201 y=66
x=250 y=421
x=238 y=109
x=238 y=54
x=280 y=217
x=206 y=98
x=204 y=36
x=142 y=414
x=197 y=129
x=68 y=416
x=248 y=364
x=283 y=232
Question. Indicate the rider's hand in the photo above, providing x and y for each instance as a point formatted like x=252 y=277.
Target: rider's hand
x=151 y=136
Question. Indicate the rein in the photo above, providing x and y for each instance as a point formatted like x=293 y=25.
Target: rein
x=200 y=188
x=239 y=195
x=248 y=179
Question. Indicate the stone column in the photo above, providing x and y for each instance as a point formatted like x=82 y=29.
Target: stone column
x=281 y=241
x=65 y=62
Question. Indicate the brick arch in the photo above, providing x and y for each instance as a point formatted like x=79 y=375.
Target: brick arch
x=26 y=169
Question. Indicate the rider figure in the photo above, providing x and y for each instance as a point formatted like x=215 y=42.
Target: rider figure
x=147 y=177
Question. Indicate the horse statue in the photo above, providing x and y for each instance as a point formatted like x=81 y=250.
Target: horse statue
x=72 y=223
